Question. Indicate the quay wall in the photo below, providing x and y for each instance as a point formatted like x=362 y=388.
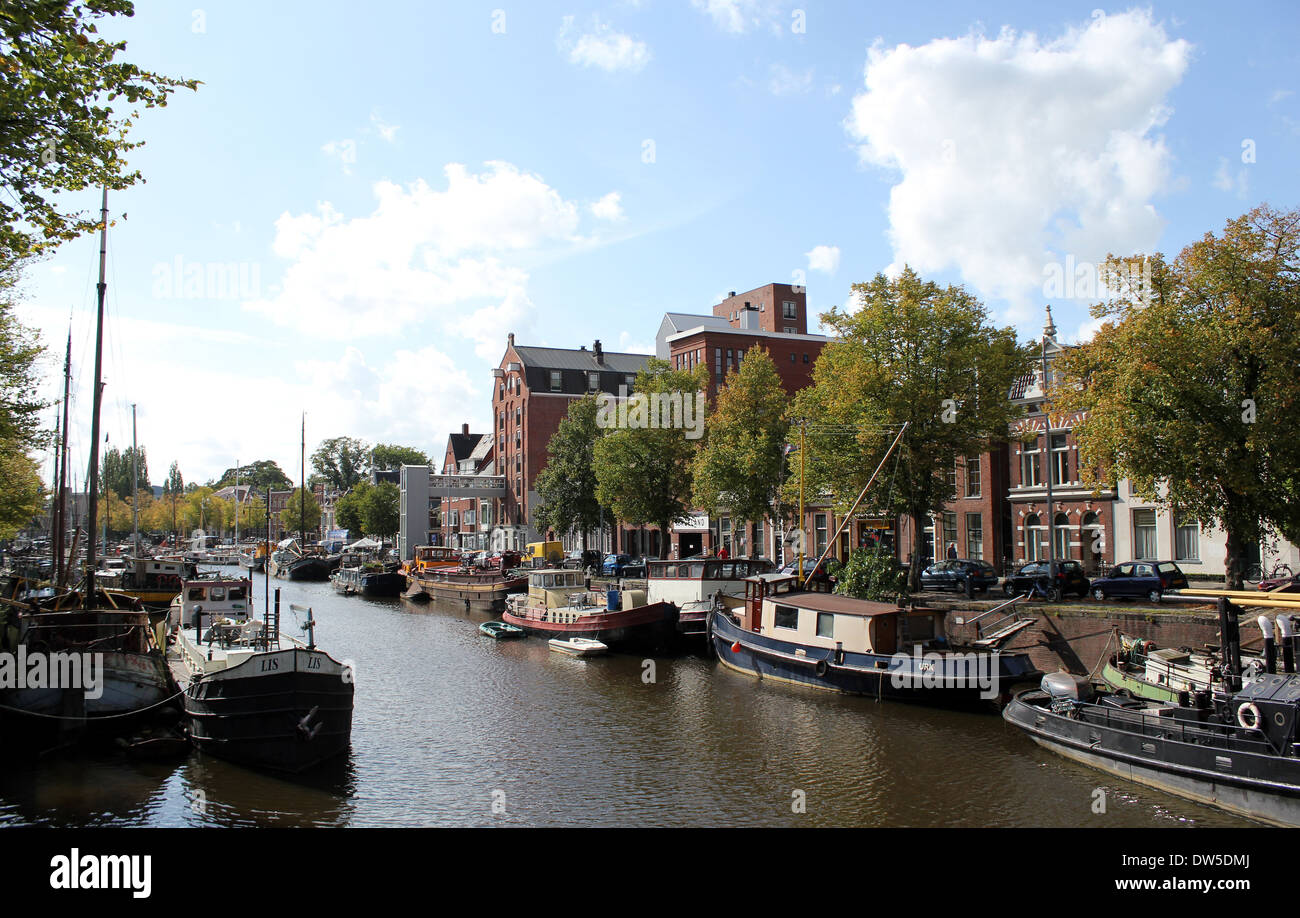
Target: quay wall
x=1079 y=639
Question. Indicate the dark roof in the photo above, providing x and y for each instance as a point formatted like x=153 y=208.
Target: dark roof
x=559 y=358
x=1021 y=385
x=463 y=444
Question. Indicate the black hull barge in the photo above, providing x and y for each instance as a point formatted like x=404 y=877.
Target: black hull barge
x=840 y=644
x=1235 y=749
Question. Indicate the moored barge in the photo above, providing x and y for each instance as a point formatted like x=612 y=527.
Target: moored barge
x=559 y=605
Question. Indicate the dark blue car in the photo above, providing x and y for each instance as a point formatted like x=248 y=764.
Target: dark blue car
x=970 y=577
x=1140 y=579
x=622 y=566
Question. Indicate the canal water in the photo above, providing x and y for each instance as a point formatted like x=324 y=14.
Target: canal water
x=452 y=728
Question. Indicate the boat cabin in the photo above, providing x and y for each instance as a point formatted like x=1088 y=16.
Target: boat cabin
x=216 y=599
x=433 y=557
x=693 y=584
x=776 y=607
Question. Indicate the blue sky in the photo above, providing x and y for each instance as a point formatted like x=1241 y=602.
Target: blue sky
x=374 y=199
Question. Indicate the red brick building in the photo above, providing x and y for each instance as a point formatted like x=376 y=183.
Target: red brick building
x=532 y=391
x=466 y=522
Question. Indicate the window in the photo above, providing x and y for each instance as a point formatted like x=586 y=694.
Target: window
x=758 y=540
x=1061 y=525
x=785 y=617
x=1030 y=472
x=1145 y=545
x=951 y=475
x=789 y=310
x=974 y=536
x=724 y=530
x=1094 y=536
x=789 y=330
x=825 y=625
x=1033 y=538
x=1060 y=460
x=555 y=380
x=630 y=380
x=949 y=533
x=593 y=381
x=793 y=358
x=717 y=362
x=1187 y=537
x=973 y=476
x=819 y=528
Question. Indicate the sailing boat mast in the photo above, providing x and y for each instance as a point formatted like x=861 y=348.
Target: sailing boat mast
x=135 y=496
x=236 y=505
x=93 y=485
x=61 y=475
x=302 y=498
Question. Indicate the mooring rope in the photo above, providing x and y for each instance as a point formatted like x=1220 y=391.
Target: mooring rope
x=100 y=717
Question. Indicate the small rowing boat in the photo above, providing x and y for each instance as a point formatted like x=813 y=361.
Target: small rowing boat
x=501 y=630
x=577 y=647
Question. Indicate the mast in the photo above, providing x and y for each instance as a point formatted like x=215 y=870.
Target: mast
x=302 y=491
x=61 y=463
x=93 y=512
x=135 y=496
x=236 y=504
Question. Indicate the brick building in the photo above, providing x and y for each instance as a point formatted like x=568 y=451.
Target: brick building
x=466 y=522
x=532 y=389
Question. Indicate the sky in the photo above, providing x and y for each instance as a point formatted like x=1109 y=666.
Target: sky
x=358 y=204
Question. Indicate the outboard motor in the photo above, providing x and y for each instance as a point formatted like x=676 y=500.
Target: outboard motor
x=1066 y=690
x=1270 y=648
x=1286 y=637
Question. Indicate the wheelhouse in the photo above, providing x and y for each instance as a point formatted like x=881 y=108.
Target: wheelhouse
x=693 y=583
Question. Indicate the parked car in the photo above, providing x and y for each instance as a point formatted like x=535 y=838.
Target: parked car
x=623 y=566
x=963 y=575
x=1070 y=579
x=825 y=574
x=582 y=560
x=1151 y=579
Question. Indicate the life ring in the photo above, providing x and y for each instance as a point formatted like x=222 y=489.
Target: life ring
x=1248 y=716
x=822 y=668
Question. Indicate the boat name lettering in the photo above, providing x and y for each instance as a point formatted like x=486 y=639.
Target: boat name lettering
x=272 y=663
x=948 y=670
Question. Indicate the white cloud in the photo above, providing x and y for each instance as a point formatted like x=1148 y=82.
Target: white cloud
x=609 y=208
x=345 y=151
x=604 y=48
x=785 y=82
x=824 y=258
x=1224 y=180
x=453 y=257
x=387 y=131
x=740 y=16
x=1013 y=149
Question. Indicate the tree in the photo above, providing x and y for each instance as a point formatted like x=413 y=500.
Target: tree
x=303 y=513
x=350 y=511
x=643 y=473
x=871 y=574
x=115 y=471
x=913 y=353
x=58 y=130
x=264 y=475
x=382 y=509
x=387 y=457
x=341 y=461
x=1190 y=385
x=22 y=493
x=566 y=485
x=740 y=465
x=174 y=491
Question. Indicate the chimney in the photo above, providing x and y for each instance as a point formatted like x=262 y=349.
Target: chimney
x=731 y=294
x=464 y=429
x=598 y=353
x=749 y=318
x=510 y=339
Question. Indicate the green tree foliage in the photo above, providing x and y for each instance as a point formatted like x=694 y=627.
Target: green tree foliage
x=21 y=491
x=115 y=471
x=66 y=106
x=341 y=461
x=1191 y=384
x=264 y=475
x=741 y=463
x=382 y=509
x=566 y=486
x=871 y=574
x=914 y=353
x=643 y=474
x=293 y=519
x=350 y=510
x=390 y=457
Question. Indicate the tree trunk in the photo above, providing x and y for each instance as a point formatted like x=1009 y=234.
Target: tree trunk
x=918 y=554
x=663 y=540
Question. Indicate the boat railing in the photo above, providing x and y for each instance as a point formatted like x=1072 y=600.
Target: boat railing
x=1158 y=726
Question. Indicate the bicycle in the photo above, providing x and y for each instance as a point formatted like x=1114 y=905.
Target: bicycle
x=1255 y=572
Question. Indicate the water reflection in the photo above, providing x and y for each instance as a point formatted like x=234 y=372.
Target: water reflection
x=453 y=728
